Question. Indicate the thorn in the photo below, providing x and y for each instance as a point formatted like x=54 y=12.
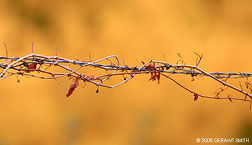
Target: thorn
x=56 y=52
x=180 y=55
x=246 y=75
x=32 y=47
x=6 y=51
x=198 y=59
x=164 y=58
x=89 y=54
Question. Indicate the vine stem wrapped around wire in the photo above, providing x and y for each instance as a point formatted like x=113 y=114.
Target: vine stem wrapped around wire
x=16 y=66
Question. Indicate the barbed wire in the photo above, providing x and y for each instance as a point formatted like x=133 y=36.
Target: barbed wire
x=26 y=65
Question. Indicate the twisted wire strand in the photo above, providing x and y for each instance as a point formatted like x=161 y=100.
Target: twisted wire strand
x=12 y=66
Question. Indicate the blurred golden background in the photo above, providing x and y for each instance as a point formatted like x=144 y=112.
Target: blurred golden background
x=140 y=112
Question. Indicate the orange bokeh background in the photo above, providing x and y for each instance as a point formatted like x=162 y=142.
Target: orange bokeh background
x=140 y=112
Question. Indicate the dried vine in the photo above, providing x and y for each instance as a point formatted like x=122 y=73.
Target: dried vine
x=29 y=64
